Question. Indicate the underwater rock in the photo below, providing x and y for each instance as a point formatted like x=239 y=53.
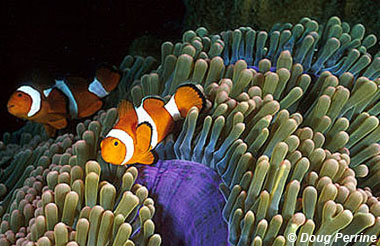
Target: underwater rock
x=185 y=214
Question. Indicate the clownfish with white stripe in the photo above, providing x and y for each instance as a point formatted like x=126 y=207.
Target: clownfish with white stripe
x=73 y=98
x=140 y=129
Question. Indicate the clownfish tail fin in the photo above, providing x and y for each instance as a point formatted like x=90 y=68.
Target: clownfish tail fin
x=106 y=80
x=186 y=97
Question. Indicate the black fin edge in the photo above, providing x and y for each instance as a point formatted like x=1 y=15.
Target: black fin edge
x=153 y=96
x=156 y=157
x=151 y=129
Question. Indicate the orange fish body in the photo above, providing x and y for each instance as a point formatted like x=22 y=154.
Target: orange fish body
x=140 y=129
x=27 y=103
x=70 y=98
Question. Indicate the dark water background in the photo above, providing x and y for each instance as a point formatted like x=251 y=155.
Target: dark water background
x=73 y=37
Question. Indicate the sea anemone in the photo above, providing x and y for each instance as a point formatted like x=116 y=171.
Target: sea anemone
x=288 y=144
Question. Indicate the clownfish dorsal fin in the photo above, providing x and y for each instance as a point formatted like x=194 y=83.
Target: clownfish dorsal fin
x=126 y=111
x=144 y=137
x=153 y=102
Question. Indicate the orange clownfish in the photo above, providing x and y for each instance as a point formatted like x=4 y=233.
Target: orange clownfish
x=140 y=129
x=71 y=98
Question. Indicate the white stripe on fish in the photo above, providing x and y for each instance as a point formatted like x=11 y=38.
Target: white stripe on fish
x=144 y=116
x=172 y=109
x=127 y=140
x=73 y=106
x=97 y=88
x=36 y=99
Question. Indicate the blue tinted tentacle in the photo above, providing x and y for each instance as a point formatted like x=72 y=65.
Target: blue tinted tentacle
x=221 y=165
x=296 y=33
x=327 y=51
x=235 y=133
x=249 y=45
x=236 y=39
x=273 y=44
x=180 y=139
x=284 y=38
x=226 y=38
x=201 y=141
x=185 y=147
x=260 y=46
x=215 y=133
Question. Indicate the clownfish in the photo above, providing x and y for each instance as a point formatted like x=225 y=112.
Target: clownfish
x=140 y=129
x=55 y=103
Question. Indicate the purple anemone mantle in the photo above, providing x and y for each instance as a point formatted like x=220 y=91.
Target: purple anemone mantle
x=188 y=203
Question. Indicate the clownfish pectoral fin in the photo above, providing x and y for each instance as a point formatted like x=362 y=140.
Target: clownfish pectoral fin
x=50 y=131
x=108 y=77
x=186 y=97
x=144 y=137
x=147 y=158
x=58 y=124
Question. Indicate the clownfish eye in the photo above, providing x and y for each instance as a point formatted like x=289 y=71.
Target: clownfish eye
x=19 y=94
x=116 y=143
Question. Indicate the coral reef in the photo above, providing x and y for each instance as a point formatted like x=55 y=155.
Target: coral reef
x=290 y=138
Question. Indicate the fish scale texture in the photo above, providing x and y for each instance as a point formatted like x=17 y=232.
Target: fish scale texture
x=184 y=214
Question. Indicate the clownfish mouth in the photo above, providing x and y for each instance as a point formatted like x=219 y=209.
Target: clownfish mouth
x=10 y=106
